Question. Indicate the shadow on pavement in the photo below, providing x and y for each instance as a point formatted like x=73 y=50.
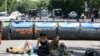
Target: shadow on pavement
x=79 y=51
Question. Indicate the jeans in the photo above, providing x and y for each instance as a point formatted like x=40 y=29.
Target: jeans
x=41 y=52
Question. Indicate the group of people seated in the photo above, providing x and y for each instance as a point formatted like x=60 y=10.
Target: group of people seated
x=45 y=48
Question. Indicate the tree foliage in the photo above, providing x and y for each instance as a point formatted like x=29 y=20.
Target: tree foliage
x=66 y=5
x=76 y=5
x=11 y=5
x=25 y=5
x=2 y=5
x=94 y=4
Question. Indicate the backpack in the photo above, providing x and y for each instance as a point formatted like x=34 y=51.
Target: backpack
x=62 y=50
x=91 y=52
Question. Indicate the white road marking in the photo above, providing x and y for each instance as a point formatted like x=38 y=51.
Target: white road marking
x=95 y=42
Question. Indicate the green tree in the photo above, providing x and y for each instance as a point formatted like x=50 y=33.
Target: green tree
x=1 y=2
x=67 y=5
x=25 y=5
x=2 y=5
x=22 y=6
x=94 y=4
x=11 y=5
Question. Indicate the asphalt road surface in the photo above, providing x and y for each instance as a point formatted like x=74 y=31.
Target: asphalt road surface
x=78 y=46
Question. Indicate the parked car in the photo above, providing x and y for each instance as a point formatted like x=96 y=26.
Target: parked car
x=4 y=16
x=14 y=15
x=72 y=14
x=44 y=14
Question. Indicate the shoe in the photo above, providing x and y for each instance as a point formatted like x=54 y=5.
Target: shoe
x=33 y=55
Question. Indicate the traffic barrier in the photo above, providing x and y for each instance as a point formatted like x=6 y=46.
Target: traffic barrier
x=69 y=30
x=89 y=31
x=46 y=27
x=66 y=30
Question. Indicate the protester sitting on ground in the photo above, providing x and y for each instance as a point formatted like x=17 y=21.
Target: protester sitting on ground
x=55 y=49
x=43 y=48
x=54 y=43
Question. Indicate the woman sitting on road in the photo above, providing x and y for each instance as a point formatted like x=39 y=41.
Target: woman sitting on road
x=43 y=48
